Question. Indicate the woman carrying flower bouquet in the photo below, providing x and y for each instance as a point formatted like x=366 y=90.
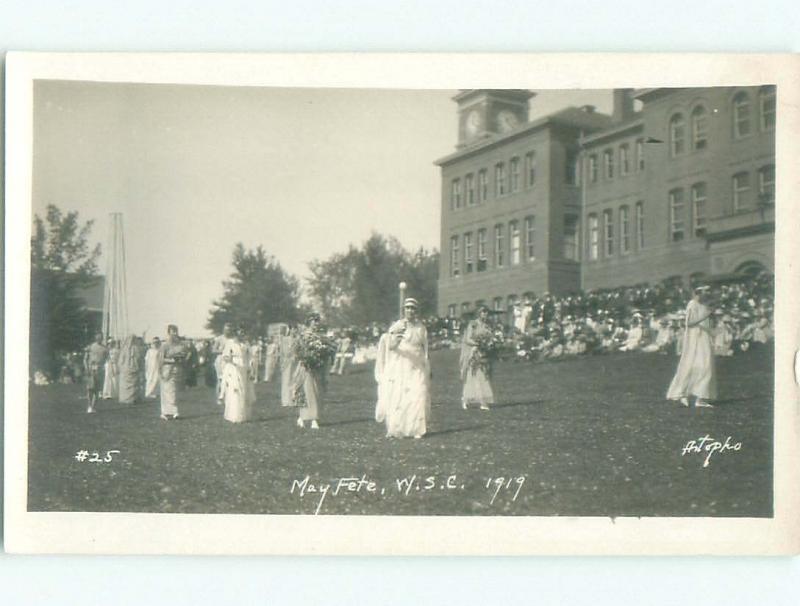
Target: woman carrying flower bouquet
x=478 y=352
x=405 y=380
x=314 y=352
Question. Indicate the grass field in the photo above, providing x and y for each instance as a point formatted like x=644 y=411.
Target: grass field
x=590 y=436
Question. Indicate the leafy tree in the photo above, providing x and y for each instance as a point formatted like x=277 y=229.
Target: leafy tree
x=62 y=265
x=361 y=286
x=258 y=293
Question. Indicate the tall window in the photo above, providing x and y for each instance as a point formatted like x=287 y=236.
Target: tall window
x=766 y=184
x=699 y=128
x=677 y=135
x=530 y=238
x=500 y=180
x=455 y=194
x=699 y=209
x=571 y=237
x=677 y=226
x=608 y=164
x=766 y=105
x=639 y=155
x=624 y=160
x=593 y=168
x=741 y=115
x=530 y=169
x=452 y=310
x=468 y=261
x=514 y=170
x=624 y=230
x=640 y=224
x=455 y=265
x=741 y=192
x=469 y=185
x=514 y=238
x=483 y=186
x=571 y=169
x=594 y=238
x=497 y=304
x=482 y=261
x=608 y=233
x=499 y=246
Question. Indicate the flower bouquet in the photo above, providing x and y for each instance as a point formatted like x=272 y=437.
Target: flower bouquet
x=314 y=350
x=487 y=349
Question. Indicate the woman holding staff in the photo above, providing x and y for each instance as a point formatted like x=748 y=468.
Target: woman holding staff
x=405 y=379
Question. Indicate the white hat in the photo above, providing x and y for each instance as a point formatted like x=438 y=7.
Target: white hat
x=411 y=302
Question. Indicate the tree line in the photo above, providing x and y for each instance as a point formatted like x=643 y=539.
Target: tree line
x=355 y=287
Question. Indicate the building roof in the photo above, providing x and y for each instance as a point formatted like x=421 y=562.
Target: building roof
x=571 y=117
x=620 y=128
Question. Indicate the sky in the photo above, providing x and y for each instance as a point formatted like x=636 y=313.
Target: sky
x=196 y=169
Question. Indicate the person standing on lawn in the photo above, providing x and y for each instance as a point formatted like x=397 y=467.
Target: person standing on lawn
x=238 y=392
x=218 y=345
x=171 y=357
x=407 y=387
x=475 y=366
x=151 y=369
x=695 y=375
x=94 y=360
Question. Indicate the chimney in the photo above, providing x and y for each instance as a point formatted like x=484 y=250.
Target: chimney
x=623 y=104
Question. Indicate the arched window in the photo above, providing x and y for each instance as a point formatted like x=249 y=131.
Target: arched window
x=699 y=128
x=608 y=163
x=741 y=115
x=766 y=107
x=751 y=269
x=624 y=230
x=677 y=134
x=699 y=219
x=594 y=237
x=514 y=237
x=624 y=160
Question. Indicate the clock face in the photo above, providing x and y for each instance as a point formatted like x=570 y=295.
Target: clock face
x=473 y=122
x=506 y=120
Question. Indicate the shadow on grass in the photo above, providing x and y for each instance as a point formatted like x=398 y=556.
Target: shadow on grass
x=444 y=432
x=349 y=422
x=519 y=403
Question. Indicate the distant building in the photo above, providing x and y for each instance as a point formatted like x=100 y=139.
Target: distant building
x=682 y=189
x=92 y=298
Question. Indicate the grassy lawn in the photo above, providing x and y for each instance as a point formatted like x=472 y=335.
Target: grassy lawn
x=589 y=436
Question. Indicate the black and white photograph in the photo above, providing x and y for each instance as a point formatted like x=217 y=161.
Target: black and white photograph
x=411 y=302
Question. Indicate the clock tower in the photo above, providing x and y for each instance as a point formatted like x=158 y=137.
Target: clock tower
x=484 y=113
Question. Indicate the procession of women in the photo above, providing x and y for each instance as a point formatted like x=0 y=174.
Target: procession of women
x=302 y=359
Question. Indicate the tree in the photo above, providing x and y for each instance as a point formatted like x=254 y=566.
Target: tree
x=258 y=293
x=62 y=264
x=361 y=286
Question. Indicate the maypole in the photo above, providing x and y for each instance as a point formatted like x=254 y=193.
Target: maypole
x=115 y=297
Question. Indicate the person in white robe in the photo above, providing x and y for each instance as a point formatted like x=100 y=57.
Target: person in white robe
x=288 y=365
x=271 y=359
x=381 y=376
x=254 y=360
x=238 y=392
x=110 y=379
x=695 y=375
x=217 y=347
x=407 y=389
x=723 y=337
x=151 y=369
x=476 y=372
x=172 y=358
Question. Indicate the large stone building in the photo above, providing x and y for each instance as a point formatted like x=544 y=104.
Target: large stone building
x=681 y=187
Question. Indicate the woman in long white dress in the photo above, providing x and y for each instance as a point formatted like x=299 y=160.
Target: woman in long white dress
x=288 y=365
x=171 y=361
x=111 y=379
x=695 y=375
x=238 y=392
x=475 y=373
x=381 y=376
x=271 y=360
x=407 y=389
x=151 y=369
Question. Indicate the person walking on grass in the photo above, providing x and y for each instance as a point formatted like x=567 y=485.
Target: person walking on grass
x=695 y=375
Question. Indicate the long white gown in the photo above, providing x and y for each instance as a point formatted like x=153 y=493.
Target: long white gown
x=381 y=366
x=695 y=375
x=238 y=392
x=151 y=373
x=407 y=390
